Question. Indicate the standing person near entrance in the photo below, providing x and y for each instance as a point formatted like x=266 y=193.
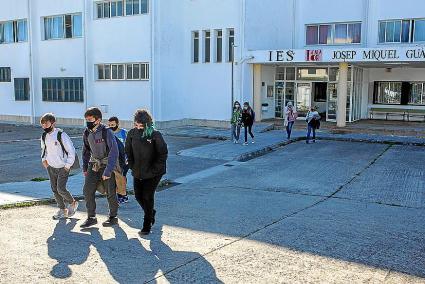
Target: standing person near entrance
x=147 y=155
x=313 y=123
x=58 y=156
x=290 y=117
x=248 y=118
x=121 y=134
x=236 y=122
x=100 y=160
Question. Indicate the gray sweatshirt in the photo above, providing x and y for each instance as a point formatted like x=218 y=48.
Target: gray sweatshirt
x=95 y=149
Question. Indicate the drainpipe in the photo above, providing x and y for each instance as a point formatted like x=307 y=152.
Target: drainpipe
x=152 y=67
x=294 y=19
x=32 y=93
x=86 y=75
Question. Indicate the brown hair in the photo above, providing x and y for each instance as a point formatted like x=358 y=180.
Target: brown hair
x=94 y=112
x=48 y=117
x=143 y=116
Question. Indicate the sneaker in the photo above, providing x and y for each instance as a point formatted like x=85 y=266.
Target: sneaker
x=253 y=142
x=237 y=142
x=120 y=200
x=144 y=232
x=125 y=199
x=72 y=208
x=61 y=214
x=245 y=144
x=110 y=222
x=307 y=142
x=314 y=140
x=90 y=221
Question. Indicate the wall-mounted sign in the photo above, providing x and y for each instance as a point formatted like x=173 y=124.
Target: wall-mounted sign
x=313 y=55
x=394 y=54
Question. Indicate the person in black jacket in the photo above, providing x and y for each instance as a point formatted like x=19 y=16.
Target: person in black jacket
x=147 y=156
x=248 y=117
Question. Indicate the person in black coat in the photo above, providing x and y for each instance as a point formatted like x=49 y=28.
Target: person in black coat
x=248 y=118
x=147 y=155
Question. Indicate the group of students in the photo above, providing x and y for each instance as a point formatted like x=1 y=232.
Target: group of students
x=242 y=117
x=246 y=116
x=108 y=154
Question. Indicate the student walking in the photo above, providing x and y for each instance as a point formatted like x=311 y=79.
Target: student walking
x=248 y=118
x=147 y=155
x=236 y=122
x=313 y=123
x=58 y=157
x=290 y=117
x=100 y=160
x=121 y=134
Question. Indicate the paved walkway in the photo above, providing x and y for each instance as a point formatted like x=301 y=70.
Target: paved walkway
x=265 y=142
x=331 y=217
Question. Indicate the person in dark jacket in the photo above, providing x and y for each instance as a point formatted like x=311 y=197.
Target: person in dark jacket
x=248 y=117
x=147 y=155
x=100 y=161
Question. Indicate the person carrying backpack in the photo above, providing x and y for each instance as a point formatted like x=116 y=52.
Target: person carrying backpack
x=248 y=118
x=100 y=161
x=313 y=123
x=58 y=157
x=121 y=134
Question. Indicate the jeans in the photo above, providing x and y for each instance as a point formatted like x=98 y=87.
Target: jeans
x=89 y=190
x=144 y=191
x=289 y=128
x=248 y=128
x=311 y=128
x=58 y=180
x=236 y=131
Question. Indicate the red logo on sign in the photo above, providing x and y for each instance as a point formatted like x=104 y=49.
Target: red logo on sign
x=314 y=55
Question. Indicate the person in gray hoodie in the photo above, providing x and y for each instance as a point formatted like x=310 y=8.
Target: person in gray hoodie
x=100 y=160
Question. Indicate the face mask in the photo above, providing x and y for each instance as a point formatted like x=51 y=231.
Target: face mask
x=114 y=128
x=90 y=124
x=237 y=106
x=48 y=130
x=245 y=108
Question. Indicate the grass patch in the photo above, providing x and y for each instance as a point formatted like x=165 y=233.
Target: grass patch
x=39 y=179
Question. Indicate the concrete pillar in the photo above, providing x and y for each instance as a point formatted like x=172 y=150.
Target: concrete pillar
x=342 y=95
x=257 y=86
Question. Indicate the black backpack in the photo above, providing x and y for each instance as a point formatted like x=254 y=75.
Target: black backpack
x=121 y=147
x=76 y=164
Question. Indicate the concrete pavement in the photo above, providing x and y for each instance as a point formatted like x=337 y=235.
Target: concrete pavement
x=291 y=217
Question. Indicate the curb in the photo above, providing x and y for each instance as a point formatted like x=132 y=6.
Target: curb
x=163 y=184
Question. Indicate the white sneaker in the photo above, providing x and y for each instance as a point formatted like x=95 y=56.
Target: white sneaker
x=245 y=144
x=61 y=214
x=253 y=142
x=72 y=208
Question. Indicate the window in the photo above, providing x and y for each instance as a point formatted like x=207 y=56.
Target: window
x=403 y=31
x=419 y=30
x=108 y=9
x=129 y=71
x=8 y=36
x=417 y=94
x=22 y=28
x=22 y=89
x=132 y=7
x=195 y=38
x=231 y=35
x=219 y=46
x=388 y=93
x=312 y=36
x=63 y=89
x=63 y=26
x=340 y=33
x=144 y=6
x=207 y=46
x=5 y=74
x=290 y=73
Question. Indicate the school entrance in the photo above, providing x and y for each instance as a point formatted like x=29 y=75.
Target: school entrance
x=307 y=87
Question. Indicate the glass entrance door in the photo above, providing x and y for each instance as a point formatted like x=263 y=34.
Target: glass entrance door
x=303 y=98
x=332 y=102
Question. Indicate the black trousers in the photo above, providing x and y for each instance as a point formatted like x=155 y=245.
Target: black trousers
x=144 y=191
x=248 y=129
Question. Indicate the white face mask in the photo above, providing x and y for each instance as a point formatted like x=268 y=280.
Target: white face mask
x=245 y=107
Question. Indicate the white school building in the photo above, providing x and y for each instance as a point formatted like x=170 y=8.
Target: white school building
x=188 y=60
